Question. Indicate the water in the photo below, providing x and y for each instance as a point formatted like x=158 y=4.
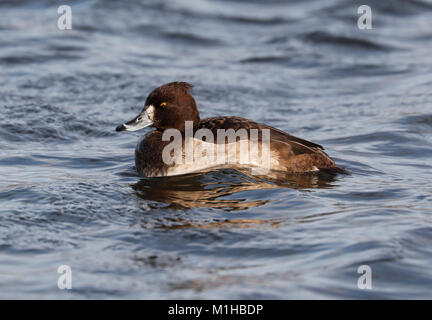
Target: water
x=70 y=194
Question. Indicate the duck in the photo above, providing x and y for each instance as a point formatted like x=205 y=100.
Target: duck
x=171 y=108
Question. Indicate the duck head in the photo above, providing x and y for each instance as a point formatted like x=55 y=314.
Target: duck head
x=166 y=107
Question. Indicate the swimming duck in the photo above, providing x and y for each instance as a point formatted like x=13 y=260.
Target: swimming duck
x=172 y=107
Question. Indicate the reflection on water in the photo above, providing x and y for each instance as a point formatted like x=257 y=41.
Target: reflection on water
x=212 y=189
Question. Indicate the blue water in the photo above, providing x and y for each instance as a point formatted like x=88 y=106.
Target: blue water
x=70 y=194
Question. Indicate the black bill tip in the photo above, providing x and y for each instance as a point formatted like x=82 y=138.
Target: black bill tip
x=121 y=128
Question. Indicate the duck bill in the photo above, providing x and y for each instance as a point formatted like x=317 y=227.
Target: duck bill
x=139 y=122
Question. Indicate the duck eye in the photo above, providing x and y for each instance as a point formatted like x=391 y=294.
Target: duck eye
x=163 y=104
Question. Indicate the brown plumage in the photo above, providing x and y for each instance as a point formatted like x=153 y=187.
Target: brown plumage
x=172 y=104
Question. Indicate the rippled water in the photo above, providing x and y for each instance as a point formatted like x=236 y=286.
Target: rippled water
x=70 y=193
